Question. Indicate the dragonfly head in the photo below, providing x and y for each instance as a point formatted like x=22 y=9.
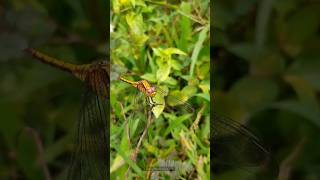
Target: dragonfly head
x=152 y=91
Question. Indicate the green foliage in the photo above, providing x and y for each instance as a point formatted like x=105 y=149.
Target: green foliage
x=168 y=45
x=41 y=97
x=267 y=75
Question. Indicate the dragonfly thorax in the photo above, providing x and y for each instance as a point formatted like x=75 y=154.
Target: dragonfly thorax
x=146 y=88
x=95 y=76
x=152 y=91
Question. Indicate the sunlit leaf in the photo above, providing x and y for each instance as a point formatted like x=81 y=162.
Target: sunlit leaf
x=176 y=98
x=163 y=71
x=189 y=91
x=157 y=110
x=149 y=76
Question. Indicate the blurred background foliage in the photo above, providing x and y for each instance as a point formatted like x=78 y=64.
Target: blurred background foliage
x=41 y=97
x=166 y=43
x=266 y=75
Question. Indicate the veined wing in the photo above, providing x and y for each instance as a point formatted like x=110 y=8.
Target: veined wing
x=90 y=156
x=234 y=146
x=175 y=100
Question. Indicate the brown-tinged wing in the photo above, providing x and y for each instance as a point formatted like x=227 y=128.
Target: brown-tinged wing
x=90 y=159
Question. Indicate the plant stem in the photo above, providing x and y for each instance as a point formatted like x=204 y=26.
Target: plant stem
x=136 y=150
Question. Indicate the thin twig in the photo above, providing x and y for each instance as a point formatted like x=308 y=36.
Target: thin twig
x=165 y=4
x=286 y=165
x=126 y=123
x=162 y=3
x=41 y=160
x=194 y=125
x=134 y=154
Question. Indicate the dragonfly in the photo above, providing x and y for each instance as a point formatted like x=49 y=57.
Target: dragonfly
x=150 y=91
x=234 y=145
x=90 y=157
x=146 y=88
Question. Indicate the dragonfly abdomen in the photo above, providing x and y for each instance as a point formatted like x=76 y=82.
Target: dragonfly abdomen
x=134 y=84
x=68 y=67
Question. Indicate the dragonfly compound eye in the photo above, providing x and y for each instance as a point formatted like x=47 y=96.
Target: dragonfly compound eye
x=152 y=91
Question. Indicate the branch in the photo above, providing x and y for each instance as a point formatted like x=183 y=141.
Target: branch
x=287 y=164
x=41 y=160
x=135 y=152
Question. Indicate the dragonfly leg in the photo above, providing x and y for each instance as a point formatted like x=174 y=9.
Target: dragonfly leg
x=154 y=103
x=150 y=103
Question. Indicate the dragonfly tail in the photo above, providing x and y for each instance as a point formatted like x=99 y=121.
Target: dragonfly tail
x=127 y=81
x=68 y=67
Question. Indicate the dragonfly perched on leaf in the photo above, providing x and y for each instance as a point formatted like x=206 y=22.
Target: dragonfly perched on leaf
x=234 y=145
x=156 y=97
x=146 y=88
x=90 y=157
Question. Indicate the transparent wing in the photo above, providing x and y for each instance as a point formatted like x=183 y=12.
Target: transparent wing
x=90 y=156
x=234 y=146
x=176 y=101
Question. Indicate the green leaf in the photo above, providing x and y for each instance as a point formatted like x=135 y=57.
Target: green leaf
x=176 y=123
x=243 y=50
x=203 y=70
x=116 y=6
x=229 y=106
x=171 y=81
x=205 y=86
x=261 y=91
x=189 y=91
x=163 y=71
x=198 y=46
x=176 y=98
x=300 y=29
x=135 y=22
x=129 y=161
x=171 y=51
x=185 y=27
x=151 y=149
x=308 y=69
x=158 y=109
x=117 y=163
x=305 y=110
x=157 y=51
x=176 y=65
x=268 y=63
x=150 y=77
x=303 y=89
x=205 y=96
